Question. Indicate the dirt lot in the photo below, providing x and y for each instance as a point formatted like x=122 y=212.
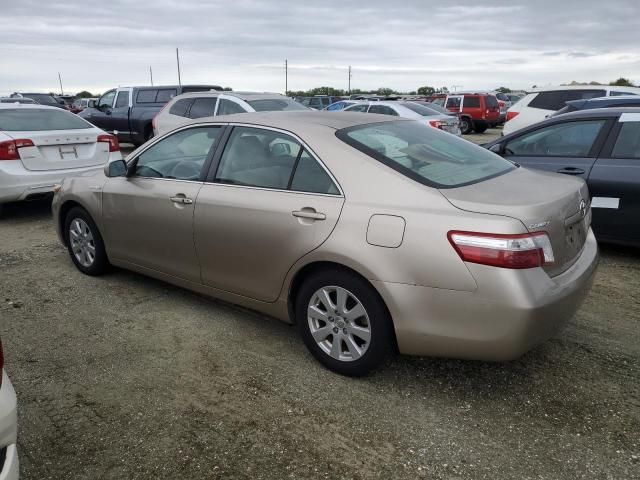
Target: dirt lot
x=124 y=377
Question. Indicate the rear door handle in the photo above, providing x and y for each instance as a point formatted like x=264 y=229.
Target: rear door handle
x=309 y=213
x=571 y=171
x=181 y=199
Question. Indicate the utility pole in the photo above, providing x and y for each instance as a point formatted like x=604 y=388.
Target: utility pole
x=178 y=62
x=286 y=76
x=60 y=80
x=349 y=89
x=151 y=75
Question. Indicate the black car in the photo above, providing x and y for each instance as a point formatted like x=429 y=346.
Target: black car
x=128 y=112
x=599 y=102
x=602 y=146
x=41 y=98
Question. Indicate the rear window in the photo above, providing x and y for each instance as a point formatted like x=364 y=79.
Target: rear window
x=555 y=100
x=41 y=98
x=425 y=154
x=275 y=105
x=180 y=107
x=39 y=119
x=420 y=109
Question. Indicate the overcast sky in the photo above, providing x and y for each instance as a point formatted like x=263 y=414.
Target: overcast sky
x=97 y=45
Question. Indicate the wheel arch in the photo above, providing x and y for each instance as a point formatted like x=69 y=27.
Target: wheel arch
x=323 y=265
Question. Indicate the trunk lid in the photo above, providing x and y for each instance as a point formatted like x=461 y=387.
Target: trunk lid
x=61 y=149
x=549 y=202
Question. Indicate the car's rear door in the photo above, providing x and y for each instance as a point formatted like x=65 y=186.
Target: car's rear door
x=614 y=183
x=267 y=202
x=148 y=216
x=568 y=147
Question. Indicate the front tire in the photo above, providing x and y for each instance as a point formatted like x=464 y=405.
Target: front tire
x=84 y=242
x=343 y=322
x=466 y=125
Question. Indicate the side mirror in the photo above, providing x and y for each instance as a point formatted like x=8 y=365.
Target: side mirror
x=92 y=104
x=497 y=148
x=117 y=168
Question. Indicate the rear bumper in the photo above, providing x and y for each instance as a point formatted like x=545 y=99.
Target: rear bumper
x=509 y=313
x=8 y=430
x=18 y=183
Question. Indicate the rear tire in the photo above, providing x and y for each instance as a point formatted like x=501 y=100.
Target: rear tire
x=84 y=242
x=343 y=322
x=466 y=125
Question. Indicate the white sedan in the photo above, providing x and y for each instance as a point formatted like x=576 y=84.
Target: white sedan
x=40 y=145
x=8 y=427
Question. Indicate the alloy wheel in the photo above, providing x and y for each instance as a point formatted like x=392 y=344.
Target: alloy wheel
x=339 y=323
x=82 y=243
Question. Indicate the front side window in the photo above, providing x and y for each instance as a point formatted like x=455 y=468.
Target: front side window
x=203 y=107
x=39 y=119
x=258 y=158
x=228 y=107
x=628 y=142
x=123 y=99
x=424 y=154
x=180 y=156
x=383 y=109
x=571 y=139
x=106 y=100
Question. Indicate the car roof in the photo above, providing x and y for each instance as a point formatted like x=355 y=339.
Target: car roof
x=240 y=95
x=296 y=119
x=598 y=112
x=29 y=105
x=585 y=87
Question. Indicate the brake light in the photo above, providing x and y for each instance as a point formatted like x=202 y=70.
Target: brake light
x=112 y=140
x=436 y=124
x=511 y=115
x=529 y=250
x=9 y=148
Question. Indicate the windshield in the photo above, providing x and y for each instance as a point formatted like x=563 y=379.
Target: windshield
x=424 y=154
x=275 y=105
x=420 y=109
x=39 y=119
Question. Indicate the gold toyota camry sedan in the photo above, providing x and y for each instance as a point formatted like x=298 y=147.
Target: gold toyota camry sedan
x=373 y=234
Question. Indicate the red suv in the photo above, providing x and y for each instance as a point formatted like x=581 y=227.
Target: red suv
x=478 y=111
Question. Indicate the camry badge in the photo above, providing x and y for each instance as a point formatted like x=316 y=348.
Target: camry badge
x=533 y=226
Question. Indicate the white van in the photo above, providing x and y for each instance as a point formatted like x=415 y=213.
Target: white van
x=536 y=106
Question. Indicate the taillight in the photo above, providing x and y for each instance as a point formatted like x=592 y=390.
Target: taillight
x=112 y=140
x=9 y=148
x=436 y=124
x=529 y=250
x=511 y=115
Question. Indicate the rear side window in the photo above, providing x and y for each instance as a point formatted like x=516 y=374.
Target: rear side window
x=491 y=101
x=180 y=107
x=555 y=100
x=424 y=154
x=227 y=107
x=146 y=96
x=357 y=108
x=620 y=94
x=123 y=99
x=383 y=109
x=628 y=142
x=203 y=107
x=166 y=94
x=471 y=102
x=39 y=119
x=309 y=176
x=570 y=139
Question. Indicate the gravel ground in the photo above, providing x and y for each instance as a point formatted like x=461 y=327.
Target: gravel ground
x=124 y=377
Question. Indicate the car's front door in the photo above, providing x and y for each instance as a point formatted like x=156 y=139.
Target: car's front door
x=267 y=202
x=565 y=147
x=148 y=215
x=120 y=115
x=614 y=183
x=101 y=115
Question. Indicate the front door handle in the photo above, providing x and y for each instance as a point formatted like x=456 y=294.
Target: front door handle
x=180 y=198
x=571 y=171
x=309 y=213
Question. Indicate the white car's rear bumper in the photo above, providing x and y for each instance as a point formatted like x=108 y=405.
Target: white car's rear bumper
x=18 y=183
x=8 y=431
